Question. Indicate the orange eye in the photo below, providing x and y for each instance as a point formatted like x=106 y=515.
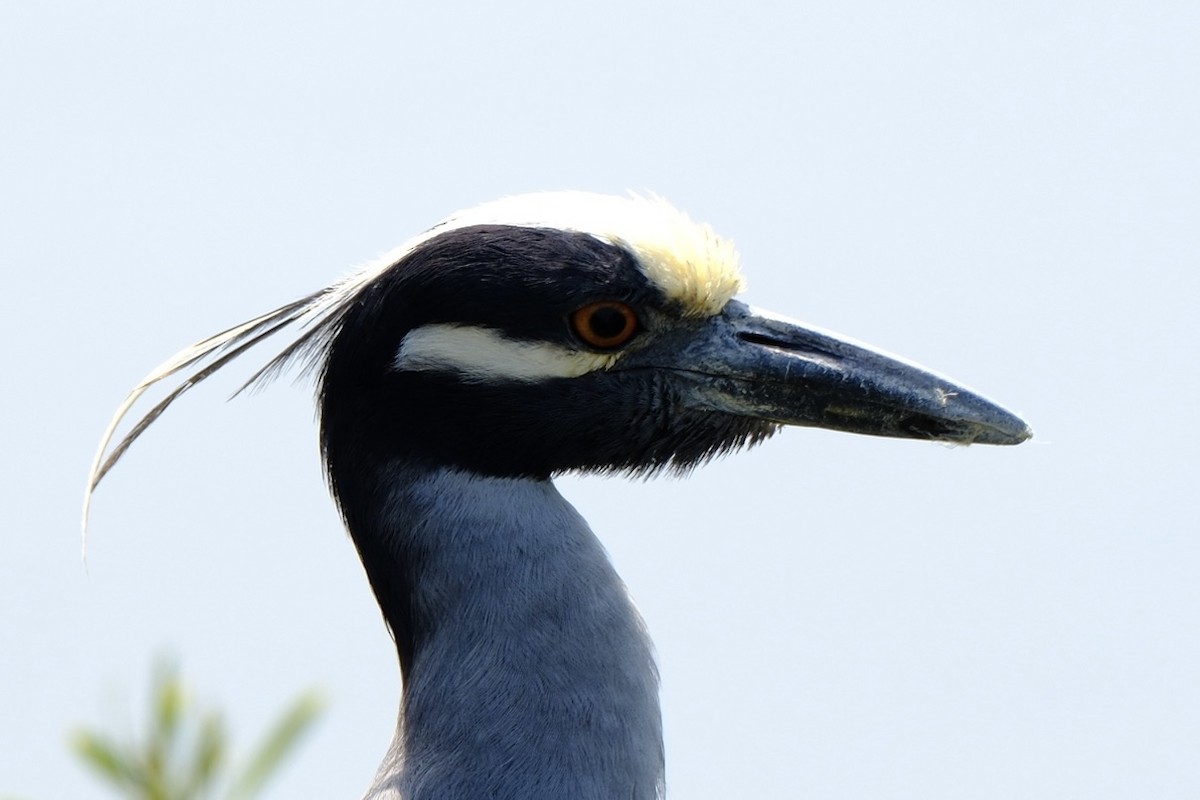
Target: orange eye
x=605 y=325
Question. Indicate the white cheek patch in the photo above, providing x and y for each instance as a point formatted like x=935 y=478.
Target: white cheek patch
x=484 y=355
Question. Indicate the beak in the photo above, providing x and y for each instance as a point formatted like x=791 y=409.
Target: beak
x=751 y=363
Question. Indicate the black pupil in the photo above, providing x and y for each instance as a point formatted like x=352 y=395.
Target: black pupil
x=608 y=322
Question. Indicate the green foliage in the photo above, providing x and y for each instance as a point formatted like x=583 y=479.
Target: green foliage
x=185 y=753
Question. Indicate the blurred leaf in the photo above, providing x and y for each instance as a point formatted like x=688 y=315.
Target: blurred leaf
x=210 y=754
x=167 y=711
x=98 y=752
x=278 y=743
x=185 y=751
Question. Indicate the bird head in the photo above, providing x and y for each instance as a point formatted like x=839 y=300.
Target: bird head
x=563 y=331
x=569 y=331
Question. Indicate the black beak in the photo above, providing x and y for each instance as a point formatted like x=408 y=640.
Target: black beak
x=751 y=363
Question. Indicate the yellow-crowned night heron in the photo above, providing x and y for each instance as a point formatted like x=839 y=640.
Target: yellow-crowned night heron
x=521 y=339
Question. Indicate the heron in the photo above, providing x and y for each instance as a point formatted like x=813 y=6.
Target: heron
x=457 y=376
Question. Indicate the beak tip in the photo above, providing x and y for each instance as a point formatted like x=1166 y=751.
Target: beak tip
x=1010 y=436
x=1003 y=428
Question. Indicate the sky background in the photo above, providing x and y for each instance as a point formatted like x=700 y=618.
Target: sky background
x=1008 y=193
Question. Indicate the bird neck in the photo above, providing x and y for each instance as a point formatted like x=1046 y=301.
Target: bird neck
x=527 y=671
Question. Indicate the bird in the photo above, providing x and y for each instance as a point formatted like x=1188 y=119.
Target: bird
x=457 y=376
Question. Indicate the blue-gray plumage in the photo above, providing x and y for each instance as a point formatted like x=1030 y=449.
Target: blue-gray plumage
x=458 y=375
x=534 y=667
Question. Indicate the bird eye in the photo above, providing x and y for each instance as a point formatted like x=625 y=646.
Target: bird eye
x=605 y=325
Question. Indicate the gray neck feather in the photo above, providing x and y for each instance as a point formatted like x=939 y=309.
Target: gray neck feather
x=532 y=677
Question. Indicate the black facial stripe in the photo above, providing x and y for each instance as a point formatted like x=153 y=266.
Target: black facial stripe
x=523 y=282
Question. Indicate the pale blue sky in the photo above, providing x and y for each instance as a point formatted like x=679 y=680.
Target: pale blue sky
x=1007 y=193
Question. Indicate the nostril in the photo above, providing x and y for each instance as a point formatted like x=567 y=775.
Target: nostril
x=803 y=349
x=758 y=338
